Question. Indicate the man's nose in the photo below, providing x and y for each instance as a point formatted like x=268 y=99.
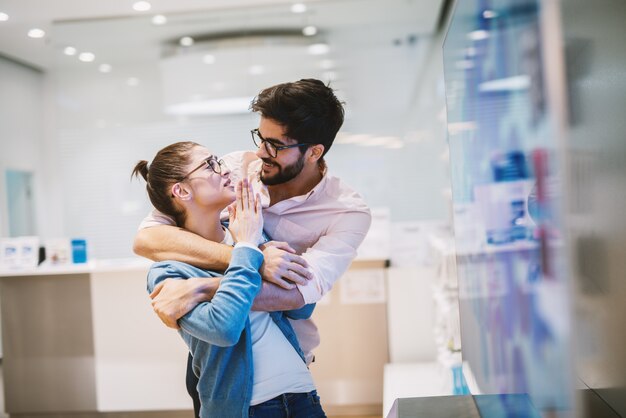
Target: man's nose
x=261 y=152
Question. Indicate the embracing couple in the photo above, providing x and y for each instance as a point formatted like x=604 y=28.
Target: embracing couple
x=257 y=239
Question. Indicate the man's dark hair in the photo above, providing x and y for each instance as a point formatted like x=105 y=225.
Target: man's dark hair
x=308 y=109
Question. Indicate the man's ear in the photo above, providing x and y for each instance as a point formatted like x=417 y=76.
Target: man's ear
x=181 y=192
x=317 y=151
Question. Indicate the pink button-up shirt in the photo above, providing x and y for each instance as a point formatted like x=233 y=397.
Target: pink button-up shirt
x=325 y=226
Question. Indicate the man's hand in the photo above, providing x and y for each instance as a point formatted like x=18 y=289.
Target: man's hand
x=282 y=266
x=172 y=298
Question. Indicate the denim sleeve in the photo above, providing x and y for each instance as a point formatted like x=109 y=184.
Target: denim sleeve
x=302 y=313
x=221 y=321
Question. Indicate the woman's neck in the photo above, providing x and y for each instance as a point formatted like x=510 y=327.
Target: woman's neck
x=205 y=223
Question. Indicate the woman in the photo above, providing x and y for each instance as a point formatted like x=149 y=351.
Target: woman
x=248 y=363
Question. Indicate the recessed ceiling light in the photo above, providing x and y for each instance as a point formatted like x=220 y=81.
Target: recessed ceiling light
x=298 y=8
x=186 y=41
x=256 y=69
x=4 y=17
x=318 y=49
x=105 y=68
x=159 y=20
x=36 y=33
x=208 y=59
x=69 y=50
x=86 y=57
x=489 y=14
x=142 y=6
x=132 y=82
x=309 y=30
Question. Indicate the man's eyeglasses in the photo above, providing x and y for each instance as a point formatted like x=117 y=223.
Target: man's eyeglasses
x=271 y=149
x=218 y=166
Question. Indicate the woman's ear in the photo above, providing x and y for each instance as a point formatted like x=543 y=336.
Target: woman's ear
x=181 y=192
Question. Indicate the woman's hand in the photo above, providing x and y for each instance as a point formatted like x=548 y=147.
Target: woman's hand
x=245 y=217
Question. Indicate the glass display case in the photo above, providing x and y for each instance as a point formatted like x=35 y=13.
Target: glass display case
x=506 y=174
x=535 y=96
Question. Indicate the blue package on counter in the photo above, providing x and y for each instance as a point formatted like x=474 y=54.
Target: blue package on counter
x=79 y=251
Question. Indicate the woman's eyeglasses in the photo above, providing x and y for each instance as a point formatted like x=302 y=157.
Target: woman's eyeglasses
x=271 y=149
x=218 y=166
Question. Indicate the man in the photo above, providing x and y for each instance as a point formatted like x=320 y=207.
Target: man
x=321 y=219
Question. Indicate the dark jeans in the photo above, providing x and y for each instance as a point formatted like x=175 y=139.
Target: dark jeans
x=290 y=405
x=192 y=384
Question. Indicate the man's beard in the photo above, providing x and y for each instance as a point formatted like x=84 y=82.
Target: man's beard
x=284 y=173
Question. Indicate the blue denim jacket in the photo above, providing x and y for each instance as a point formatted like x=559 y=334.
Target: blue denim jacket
x=218 y=332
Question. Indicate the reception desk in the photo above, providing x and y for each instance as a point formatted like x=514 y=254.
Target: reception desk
x=83 y=339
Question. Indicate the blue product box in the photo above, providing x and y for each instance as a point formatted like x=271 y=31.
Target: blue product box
x=79 y=251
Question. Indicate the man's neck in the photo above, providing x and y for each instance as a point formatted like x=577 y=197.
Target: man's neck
x=300 y=185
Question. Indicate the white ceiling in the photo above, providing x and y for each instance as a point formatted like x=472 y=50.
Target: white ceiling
x=104 y=26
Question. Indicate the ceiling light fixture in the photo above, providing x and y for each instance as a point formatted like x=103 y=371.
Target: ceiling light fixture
x=69 y=50
x=86 y=57
x=4 y=17
x=489 y=14
x=318 y=49
x=159 y=20
x=142 y=6
x=105 y=68
x=132 y=82
x=186 y=41
x=309 y=30
x=36 y=33
x=298 y=8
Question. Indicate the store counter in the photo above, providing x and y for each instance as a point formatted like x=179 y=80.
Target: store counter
x=84 y=338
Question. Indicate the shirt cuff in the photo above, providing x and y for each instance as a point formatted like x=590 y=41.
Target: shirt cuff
x=248 y=245
x=311 y=293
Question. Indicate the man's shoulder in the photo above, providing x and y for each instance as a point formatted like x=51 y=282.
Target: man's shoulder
x=343 y=194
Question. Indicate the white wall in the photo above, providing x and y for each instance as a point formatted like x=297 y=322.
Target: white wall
x=21 y=129
x=82 y=132
x=103 y=126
